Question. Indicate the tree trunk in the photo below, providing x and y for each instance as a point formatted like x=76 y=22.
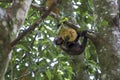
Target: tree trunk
x=108 y=41
x=11 y=19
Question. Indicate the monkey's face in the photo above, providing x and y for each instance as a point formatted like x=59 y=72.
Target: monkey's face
x=58 y=40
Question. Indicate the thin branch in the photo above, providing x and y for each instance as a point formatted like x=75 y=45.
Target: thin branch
x=34 y=25
x=39 y=8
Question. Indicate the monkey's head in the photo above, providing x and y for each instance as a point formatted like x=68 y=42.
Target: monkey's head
x=58 y=40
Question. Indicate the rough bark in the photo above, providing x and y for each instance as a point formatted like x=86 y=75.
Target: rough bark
x=11 y=19
x=108 y=41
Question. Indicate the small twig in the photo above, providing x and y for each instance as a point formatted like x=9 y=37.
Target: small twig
x=22 y=76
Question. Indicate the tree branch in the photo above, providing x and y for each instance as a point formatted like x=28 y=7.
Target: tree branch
x=41 y=9
x=34 y=25
x=91 y=35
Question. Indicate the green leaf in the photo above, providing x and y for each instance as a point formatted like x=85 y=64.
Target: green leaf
x=48 y=73
x=104 y=23
x=63 y=20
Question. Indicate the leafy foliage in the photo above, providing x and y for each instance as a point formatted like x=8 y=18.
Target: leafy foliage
x=37 y=58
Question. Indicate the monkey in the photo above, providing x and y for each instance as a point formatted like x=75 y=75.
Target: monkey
x=74 y=47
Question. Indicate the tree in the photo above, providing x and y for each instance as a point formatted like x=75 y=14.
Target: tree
x=27 y=29
x=108 y=49
x=10 y=23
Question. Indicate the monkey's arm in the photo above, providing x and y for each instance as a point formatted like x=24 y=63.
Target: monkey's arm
x=83 y=44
